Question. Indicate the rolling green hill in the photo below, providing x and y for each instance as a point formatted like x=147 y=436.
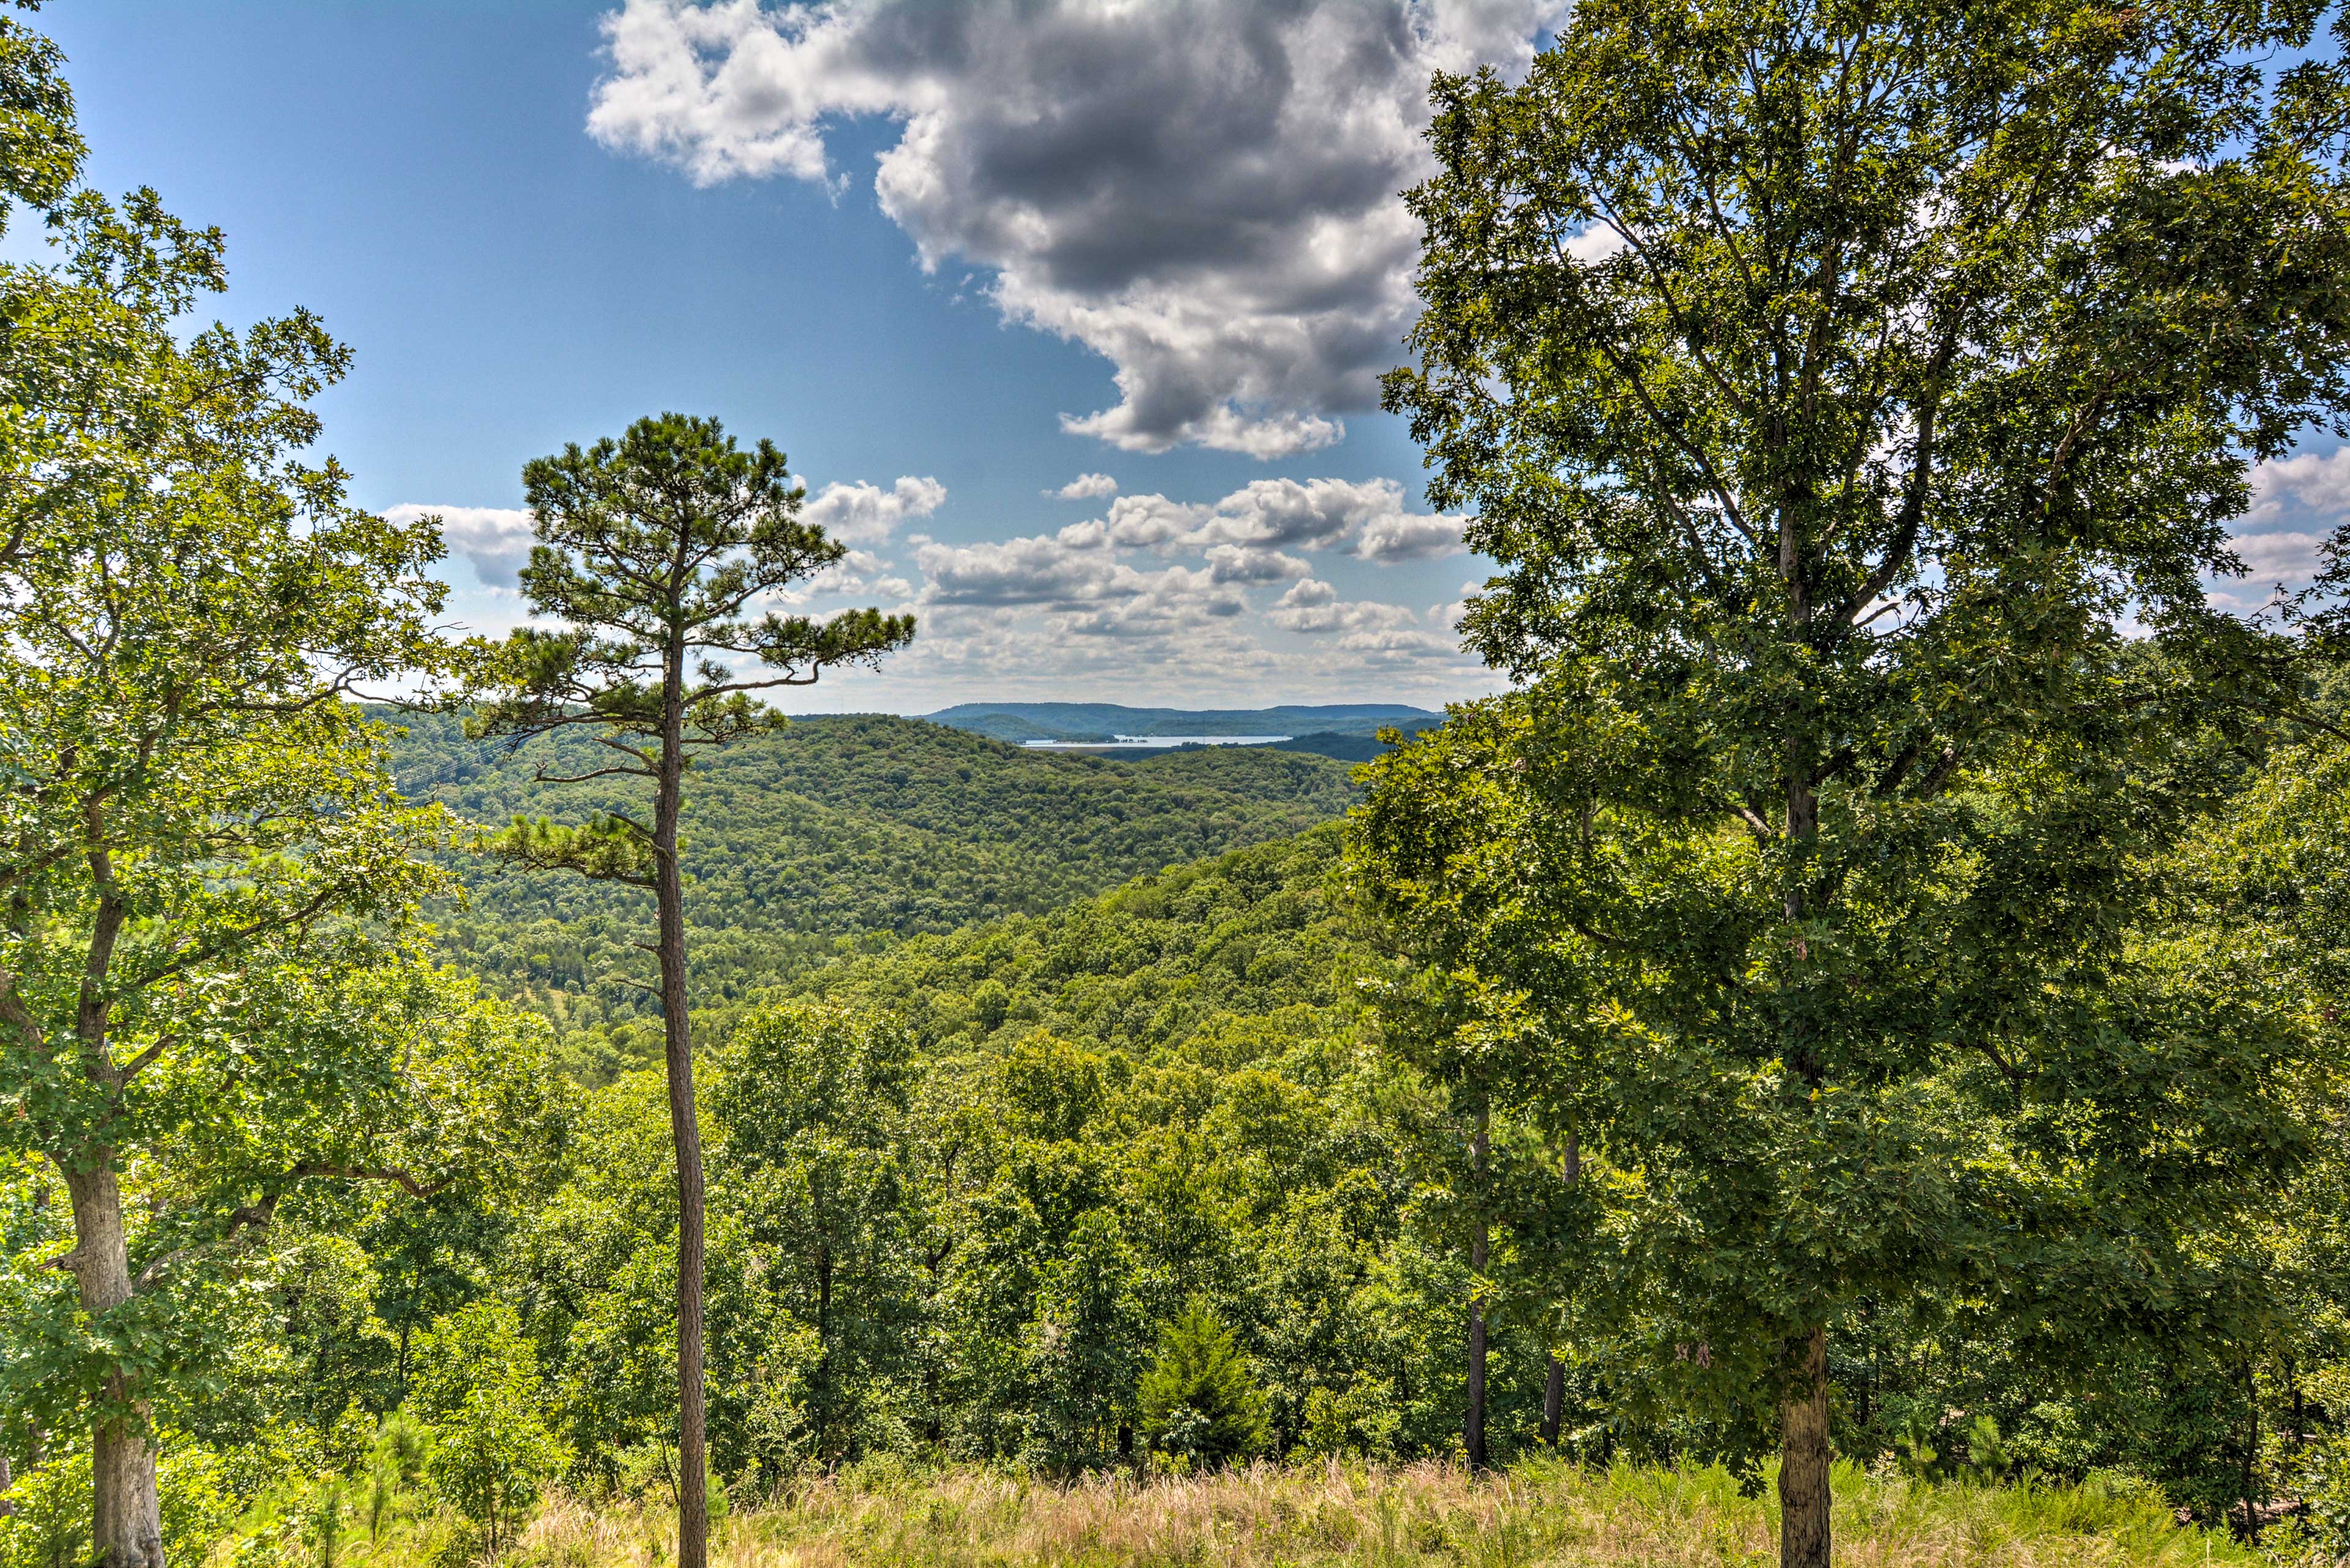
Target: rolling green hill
x=836 y=835
x=1222 y=945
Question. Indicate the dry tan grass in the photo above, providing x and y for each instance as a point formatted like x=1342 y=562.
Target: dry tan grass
x=1309 y=1516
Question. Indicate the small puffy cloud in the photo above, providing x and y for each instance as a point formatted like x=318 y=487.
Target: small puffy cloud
x=1309 y=593
x=495 y=540
x=1245 y=564
x=1595 y=243
x=1166 y=604
x=1448 y=617
x=1037 y=570
x=1402 y=536
x=2281 y=558
x=2298 y=502
x=1087 y=487
x=1202 y=192
x=864 y=513
x=1313 y=605
x=1311 y=514
x=1142 y=521
x=1367 y=518
x=1079 y=582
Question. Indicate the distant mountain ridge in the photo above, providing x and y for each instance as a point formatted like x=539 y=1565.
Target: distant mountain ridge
x=1019 y=722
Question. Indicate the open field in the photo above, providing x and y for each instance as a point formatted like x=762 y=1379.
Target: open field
x=1310 y=1515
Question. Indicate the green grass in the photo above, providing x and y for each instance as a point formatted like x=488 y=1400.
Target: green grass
x=1309 y=1515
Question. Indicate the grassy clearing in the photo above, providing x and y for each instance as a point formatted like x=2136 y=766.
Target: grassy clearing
x=1306 y=1516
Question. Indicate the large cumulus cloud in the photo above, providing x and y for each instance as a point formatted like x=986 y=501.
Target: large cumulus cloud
x=1204 y=191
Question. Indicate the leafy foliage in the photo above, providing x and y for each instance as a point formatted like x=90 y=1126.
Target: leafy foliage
x=831 y=835
x=1197 y=1401
x=1925 y=348
x=477 y=1385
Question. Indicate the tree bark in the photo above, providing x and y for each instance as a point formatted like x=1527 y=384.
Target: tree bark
x=126 y=1526
x=1554 y=1381
x=1804 y=1459
x=685 y=1127
x=823 y=1347
x=1553 y=1402
x=1473 y=1429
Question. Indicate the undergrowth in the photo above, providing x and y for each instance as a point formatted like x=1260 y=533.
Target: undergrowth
x=1306 y=1516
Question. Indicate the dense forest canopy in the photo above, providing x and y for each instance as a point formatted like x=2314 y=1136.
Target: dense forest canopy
x=831 y=835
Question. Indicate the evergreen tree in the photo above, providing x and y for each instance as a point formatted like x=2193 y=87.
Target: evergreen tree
x=1199 y=1399
x=651 y=549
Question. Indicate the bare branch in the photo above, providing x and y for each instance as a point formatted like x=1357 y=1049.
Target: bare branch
x=395 y=1174
x=130 y=1069
x=542 y=776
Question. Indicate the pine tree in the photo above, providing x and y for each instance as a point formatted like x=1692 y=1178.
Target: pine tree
x=1198 y=1399
x=651 y=550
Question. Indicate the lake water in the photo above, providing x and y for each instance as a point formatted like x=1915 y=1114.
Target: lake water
x=1150 y=742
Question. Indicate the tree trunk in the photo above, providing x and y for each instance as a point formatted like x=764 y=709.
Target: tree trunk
x=1473 y=1429
x=1804 y=1460
x=1554 y=1383
x=1553 y=1402
x=685 y=1127
x=127 y=1525
x=823 y=1347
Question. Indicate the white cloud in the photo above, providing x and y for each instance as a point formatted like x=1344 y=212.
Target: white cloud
x=864 y=513
x=854 y=573
x=1037 y=570
x=1144 y=521
x=1366 y=518
x=495 y=540
x=1595 y=243
x=1203 y=191
x=1448 y=617
x=2279 y=558
x=1086 y=487
x=1243 y=563
x=2298 y=503
x=2308 y=481
x=1314 y=605
x=1408 y=536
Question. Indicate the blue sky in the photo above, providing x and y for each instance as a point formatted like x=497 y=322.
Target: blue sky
x=426 y=176
x=957 y=258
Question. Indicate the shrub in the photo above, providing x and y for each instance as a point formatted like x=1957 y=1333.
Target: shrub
x=1199 y=1402
x=478 y=1390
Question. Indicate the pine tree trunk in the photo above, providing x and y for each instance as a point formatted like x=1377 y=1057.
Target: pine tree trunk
x=127 y=1524
x=1473 y=1429
x=669 y=894
x=1804 y=1460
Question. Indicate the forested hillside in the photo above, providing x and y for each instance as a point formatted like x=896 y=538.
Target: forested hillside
x=832 y=834
x=960 y=1189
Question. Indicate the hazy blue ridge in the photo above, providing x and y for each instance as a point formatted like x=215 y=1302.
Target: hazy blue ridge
x=1101 y=721
x=1348 y=747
